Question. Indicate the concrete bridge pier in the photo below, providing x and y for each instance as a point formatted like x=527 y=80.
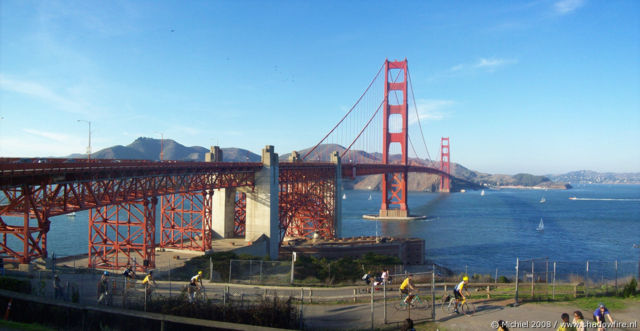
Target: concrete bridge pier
x=263 y=204
x=222 y=202
x=223 y=212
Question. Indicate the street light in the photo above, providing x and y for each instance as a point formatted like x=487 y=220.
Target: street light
x=88 y=147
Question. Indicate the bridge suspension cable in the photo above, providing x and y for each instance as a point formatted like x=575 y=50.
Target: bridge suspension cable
x=415 y=106
x=346 y=115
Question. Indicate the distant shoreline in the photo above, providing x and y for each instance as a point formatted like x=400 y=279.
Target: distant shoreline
x=521 y=187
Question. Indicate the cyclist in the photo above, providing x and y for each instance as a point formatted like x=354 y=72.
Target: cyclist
x=103 y=287
x=148 y=288
x=194 y=286
x=457 y=292
x=599 y=316
x=128 y=272
x=408 y=288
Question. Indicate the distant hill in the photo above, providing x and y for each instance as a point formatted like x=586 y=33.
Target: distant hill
x=593 y=177
x=149 y=149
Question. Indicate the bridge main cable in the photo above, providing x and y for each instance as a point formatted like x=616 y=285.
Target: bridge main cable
x=345 y=116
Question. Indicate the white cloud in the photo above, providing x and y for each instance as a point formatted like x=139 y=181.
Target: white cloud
x=430 y=110
x=60 y=137
x=485 y=64
x=563 y=7
x=43 y=93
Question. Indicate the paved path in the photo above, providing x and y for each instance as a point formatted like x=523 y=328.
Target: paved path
x=538 y=316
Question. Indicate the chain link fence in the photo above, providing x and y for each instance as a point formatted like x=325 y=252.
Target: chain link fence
x=260 y=272
x=542 y=279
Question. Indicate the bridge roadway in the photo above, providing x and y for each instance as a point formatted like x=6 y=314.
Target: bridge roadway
x=63 y=186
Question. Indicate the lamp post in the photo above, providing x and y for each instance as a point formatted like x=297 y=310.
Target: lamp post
x=88 y=147
x=161 y=145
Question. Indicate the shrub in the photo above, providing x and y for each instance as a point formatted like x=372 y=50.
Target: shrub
x=630 y=289
x=503 y=279
x=15 y=285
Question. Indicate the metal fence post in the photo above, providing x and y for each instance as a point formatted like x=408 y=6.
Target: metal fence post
x=210 y=269
x=546 y=277
x=533 y=277
x=384 y=299
x=517 y=276
x=372 y=290
x=261 y=261
x=616 y=266
x=301 y=306
x=293 y=261
x=230 y=264
x=433 y=292
x=496 y=279
x=553 y=290
x=586 y=281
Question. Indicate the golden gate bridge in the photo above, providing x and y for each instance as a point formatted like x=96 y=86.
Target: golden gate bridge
x=202 y=201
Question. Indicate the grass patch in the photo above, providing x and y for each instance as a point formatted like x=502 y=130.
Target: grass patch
x=24 y=326
x=612 y=303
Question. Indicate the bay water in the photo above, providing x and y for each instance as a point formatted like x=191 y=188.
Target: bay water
x=475 y=232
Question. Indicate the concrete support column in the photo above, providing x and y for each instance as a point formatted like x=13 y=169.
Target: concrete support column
x=263 y=204
x=223 y=205
x=337 y=205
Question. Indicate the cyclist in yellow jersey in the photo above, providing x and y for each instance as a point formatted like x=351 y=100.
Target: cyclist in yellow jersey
x=147 y=283
x=194 y=284
x=407 y=288
x=457 y=291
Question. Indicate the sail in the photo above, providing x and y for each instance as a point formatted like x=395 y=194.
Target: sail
x=541 y=225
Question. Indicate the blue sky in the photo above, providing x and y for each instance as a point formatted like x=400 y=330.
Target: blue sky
x=518 y=86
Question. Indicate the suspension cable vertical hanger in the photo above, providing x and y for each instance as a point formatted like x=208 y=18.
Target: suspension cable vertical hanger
x=394 y=186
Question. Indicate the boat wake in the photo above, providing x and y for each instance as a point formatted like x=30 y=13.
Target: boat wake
x=602 y=199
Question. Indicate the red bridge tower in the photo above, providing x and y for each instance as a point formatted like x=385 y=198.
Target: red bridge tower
x=394 y=185
x=445 y=185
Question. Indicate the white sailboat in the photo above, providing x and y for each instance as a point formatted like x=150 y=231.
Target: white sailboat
x=540 y=226
x=344 y=196
x=369 y=196
x=543 y=200
x=72 y=214
x=482 y=193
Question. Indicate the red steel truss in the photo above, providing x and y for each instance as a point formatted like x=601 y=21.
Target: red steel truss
x=44 y=188
x=240 y=215
x=186 y=221
x=445 y=181
x=123 y=233
x=307 y=200
x=394 y=185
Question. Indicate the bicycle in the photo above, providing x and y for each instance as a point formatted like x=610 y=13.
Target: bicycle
x=416 y=303
x=201 y=294
x=449 y=305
